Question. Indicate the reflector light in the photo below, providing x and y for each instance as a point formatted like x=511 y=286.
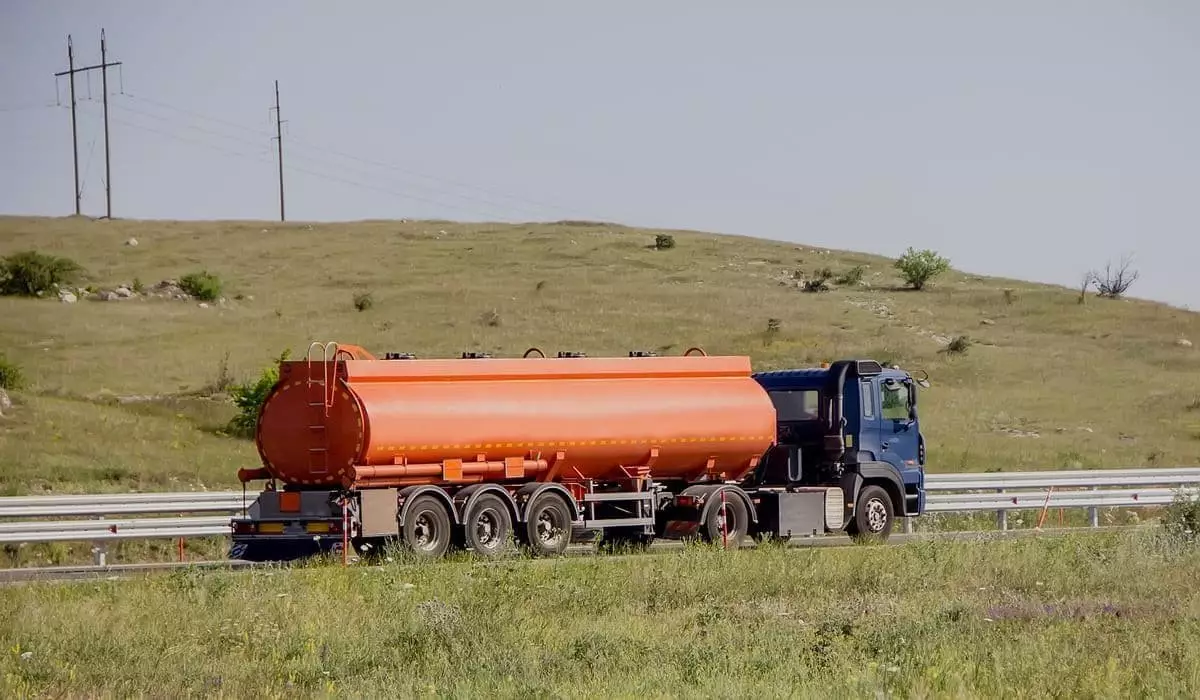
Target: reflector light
x=289 y=502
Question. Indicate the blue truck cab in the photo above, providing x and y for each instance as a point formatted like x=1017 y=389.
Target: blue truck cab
x=851 y=424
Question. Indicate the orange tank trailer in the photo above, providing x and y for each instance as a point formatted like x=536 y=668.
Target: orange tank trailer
x=462 y=421
x=470 y=452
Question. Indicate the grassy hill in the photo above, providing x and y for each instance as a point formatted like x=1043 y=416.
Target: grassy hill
x=127 y=394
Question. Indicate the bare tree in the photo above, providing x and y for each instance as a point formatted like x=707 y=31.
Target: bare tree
x=1113 y=283
x=1083 y=286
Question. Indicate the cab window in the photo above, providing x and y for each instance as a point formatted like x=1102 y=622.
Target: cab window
x=868 y=400
x=895 y=402
x=796 y=404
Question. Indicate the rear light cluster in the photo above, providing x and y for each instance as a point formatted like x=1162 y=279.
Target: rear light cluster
x=316 y=527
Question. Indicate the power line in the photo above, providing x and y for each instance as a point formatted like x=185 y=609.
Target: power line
x=322 y=175
x=388 y=166
x=71 y=71
x=325 y=163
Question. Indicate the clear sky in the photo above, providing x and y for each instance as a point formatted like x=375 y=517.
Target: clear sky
x=1027 y=139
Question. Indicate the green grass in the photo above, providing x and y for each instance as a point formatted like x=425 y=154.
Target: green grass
x=1101 y=384
x=1052 y=617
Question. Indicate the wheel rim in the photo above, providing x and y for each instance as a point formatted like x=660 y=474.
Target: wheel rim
x=425 y=532
x=876 y=515
x=487 y=528
x=548 y=532
x=723 y=519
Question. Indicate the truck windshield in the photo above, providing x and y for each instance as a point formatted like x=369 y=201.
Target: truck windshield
x=796 y=404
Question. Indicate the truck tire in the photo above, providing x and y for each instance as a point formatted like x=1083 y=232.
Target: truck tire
x=736 y=521
x=426 y=527
x=487 y=525
x=873 y=514
x=547 y=527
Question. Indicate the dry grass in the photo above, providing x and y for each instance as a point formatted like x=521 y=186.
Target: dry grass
x=1030 y=618
x=1101 y=384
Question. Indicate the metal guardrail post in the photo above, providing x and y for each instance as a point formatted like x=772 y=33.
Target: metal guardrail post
x=908 y=526
x=1094 y=512
x=100 y=550
x=1001 y=516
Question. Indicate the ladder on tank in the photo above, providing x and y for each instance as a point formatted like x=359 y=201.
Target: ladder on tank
x=319 y=405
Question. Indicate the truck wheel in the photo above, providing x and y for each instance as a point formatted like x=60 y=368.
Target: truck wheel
x=487 y=525
x=725 y=522
x=426 y=527
x=547 y=526
x=873 y=516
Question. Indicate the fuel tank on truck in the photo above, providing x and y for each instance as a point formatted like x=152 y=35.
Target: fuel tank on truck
x=409 y=421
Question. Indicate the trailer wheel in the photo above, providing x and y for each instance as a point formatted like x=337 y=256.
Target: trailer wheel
x=725 y=522
x=547 y=527
x=873 y=516
x=487 y=525
x=426 y=527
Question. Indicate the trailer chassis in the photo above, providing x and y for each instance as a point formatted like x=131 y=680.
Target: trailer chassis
x=543 y=517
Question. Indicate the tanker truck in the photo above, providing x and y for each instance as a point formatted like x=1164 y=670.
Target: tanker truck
x=475 y=452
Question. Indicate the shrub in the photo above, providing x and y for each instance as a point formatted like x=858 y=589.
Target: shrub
x=1182 y=518
x=819 y=282
x=958 y=345
x=249 y=398
x=363 y=301
x=201 y=285
x=29 y=273
x=663 y=241
x=11 y=377
x=1112 y=283
x=919 y=267
x=853 y=277
x=490 y=318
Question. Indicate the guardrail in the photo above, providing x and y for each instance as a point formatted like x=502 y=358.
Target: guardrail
x=177 y=512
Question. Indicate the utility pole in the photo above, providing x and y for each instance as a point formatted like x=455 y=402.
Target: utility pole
x=279 y=138
x=71 y=71
x=74 y=138
x=104 y=88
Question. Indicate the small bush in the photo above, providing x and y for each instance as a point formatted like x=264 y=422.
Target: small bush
x=853 y=276
x=138 y=287
x=363 y=301
x=201 y=285
x=222 y=380
x=918 y=268
x=819 y=282
x=1182 y=518
x=11 y=377
x=1113 y=283
x=958 y=345
x=30 y=273
x=664 y=241
x=1009 y=296
x=490 y=318
x=249 y=398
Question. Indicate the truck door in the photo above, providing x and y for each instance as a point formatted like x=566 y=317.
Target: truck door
x=898 y=432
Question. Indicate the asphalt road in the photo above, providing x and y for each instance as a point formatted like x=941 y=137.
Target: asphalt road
x=58 y=574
